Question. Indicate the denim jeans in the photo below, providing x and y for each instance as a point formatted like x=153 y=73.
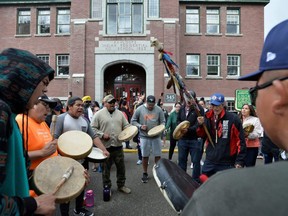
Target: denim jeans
x=194 y=147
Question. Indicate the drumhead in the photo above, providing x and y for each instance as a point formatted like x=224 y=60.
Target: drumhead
x=75 y=144
x=156 y=130
x=177 y=134
x=128 y=133
x=96 y=155
x=49 y=172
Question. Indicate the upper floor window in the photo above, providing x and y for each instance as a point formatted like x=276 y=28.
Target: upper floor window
x=192 y=65
x=43 y=25
x=124 y=16
x=63 y=21
x=192 y=20
x=213 y=65
x=63 y=62
x=45 y=58
x=96 y=9
x=23 y=24
x=233 y=21
x=213 y=21
x=233 y=65
x=153 y=8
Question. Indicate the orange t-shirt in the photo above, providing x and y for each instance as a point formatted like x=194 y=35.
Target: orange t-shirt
x=38 y=136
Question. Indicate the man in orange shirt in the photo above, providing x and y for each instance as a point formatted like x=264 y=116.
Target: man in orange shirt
x=37 y=138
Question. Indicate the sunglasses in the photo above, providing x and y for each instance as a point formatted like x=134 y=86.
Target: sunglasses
x=254 y=90
x=111 y=102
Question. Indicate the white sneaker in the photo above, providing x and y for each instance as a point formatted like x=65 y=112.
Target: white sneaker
x=191 y=166
x=201 y=163
x=139 y=162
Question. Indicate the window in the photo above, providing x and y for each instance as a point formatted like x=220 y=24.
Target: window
x=43 y=26
x=153 y=8
x=96 y=9
x=24 y=18
x=63 y=21
x=192 y=21
x=213 y=65
x=213 y=21
x=63 y=63
x=230 y=105
x=193 y=65
x=233 y=21
x=44 y=58
x=124 y=16
x=233 y=65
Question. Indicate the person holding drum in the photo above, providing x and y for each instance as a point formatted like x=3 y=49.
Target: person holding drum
x=73 y=120
x=37 y=138
x=252 y=130
x=108 y=123
x=23 y=79
x=146 y=117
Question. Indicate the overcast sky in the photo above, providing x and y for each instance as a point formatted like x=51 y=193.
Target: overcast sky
x=275 y=12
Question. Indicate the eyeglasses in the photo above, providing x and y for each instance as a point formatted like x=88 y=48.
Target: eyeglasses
x=254 y=90
x=45 y=105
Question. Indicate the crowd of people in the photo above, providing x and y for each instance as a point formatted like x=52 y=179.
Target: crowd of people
x=228 y=140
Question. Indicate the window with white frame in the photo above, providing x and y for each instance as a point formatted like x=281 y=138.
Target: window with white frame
x=213 y=21
x=153 y=8
x=63 y=21
x=43 y=22
x=45 y=58
x=233 y=21
x=124 y=17
x=96 y=9
x=233 y=65
x=192 y=20
x=63 y=62
x=23 y=23
x=193 y=65
x=213 y=65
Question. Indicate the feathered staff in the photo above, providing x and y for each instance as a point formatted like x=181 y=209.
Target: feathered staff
x=176 y=80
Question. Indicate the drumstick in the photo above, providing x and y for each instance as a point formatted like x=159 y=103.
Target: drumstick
x=54 y=120
x=65 y=177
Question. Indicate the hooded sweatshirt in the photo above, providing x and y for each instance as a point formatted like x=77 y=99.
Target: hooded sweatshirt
x=20 y=74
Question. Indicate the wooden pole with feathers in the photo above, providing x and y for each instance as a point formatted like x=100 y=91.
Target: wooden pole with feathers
x=176 y=80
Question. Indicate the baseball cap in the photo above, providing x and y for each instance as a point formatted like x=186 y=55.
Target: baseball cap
x=274 y=53
x=86 y=98
x=51 y=103
x=217 y=99
x=151 y=99
x=109 y=98
x=72 y=100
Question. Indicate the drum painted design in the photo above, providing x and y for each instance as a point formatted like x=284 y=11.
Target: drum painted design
x=177 y=134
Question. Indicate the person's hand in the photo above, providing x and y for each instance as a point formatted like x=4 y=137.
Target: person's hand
x=87 y=177
x=237 y=166
x=143 y=127
x=106 y=136
x=45 y=204
x=200 y=120
x=106 y=153
x=49 y=148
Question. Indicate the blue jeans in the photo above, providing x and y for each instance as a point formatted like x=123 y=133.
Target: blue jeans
x=194 y=147
x=209 y=168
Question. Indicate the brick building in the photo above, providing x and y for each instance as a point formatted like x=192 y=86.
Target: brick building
x=99 y=47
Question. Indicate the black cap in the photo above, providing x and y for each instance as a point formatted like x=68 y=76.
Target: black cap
x=51 y=103
x=151 y=99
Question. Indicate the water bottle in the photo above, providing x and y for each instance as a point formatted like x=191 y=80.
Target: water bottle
x=106 y=193
x=89 y=198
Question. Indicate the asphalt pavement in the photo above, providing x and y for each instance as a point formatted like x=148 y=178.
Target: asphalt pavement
x=145 y=199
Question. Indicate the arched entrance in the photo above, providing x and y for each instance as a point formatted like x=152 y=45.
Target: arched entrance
x=125 y=80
